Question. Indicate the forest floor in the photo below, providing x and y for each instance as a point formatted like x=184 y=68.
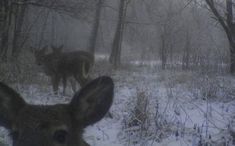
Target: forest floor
x=157 y=108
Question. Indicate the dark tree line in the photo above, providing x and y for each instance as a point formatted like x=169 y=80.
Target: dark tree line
x=166 y=17
x=13 y=14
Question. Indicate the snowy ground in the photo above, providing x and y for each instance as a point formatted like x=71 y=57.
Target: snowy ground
x=184 y=108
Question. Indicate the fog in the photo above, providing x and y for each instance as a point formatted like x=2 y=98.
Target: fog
x=172 y=64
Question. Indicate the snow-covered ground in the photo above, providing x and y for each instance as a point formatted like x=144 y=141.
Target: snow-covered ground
x=183 y=109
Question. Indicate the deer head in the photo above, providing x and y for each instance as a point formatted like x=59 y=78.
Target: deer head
x=55 y=125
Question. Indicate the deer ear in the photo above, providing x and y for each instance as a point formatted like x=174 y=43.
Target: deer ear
x=93 y=101
x=10 y=103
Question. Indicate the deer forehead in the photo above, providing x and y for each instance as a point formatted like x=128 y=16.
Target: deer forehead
x=43 y=117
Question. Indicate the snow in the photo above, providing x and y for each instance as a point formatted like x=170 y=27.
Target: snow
x=176 y=96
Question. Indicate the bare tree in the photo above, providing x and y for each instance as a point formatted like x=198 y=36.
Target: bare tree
x=18 y=28
x=228 y=26
x=163 y=51
x=168 y=28
x=13 y=14
x=96 y=24
x=5 y=26
x=186 y=52
x=115 y=57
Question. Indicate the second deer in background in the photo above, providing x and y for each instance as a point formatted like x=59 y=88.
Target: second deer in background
x=62 y=65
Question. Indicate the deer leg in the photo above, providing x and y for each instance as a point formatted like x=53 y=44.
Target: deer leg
x=73 y=84
x=55 y=84
x=64 y=84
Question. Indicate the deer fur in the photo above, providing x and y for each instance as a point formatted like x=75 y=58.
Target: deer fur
x=55 y=125
x=63 y=65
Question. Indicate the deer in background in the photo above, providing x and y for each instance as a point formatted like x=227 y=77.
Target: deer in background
x=55 y=125
x=61 y=65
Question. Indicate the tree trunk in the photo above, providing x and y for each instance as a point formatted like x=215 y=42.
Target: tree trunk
x=228 y=26
x=95 y=29
x=6 y=21
x=231 y=27
x=18 y=37
x=115 y=57
x=232 y=63
x=186 y=53
x=163 y=53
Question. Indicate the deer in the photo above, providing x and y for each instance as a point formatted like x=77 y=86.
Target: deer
x=59 y=124
x=62 y=65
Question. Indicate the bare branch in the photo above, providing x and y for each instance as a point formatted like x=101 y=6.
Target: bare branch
x=210 y=3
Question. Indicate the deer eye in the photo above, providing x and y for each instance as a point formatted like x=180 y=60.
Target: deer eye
x=60 y=136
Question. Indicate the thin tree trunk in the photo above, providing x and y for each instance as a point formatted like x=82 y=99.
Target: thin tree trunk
x=185 y=62
x=18 y=37
x=232 y=61
x=42 y=33
x=163 y=53
x=53 y=29
x=115 y=57
x=95 y=28
x=232 y=35
x=6 y=22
